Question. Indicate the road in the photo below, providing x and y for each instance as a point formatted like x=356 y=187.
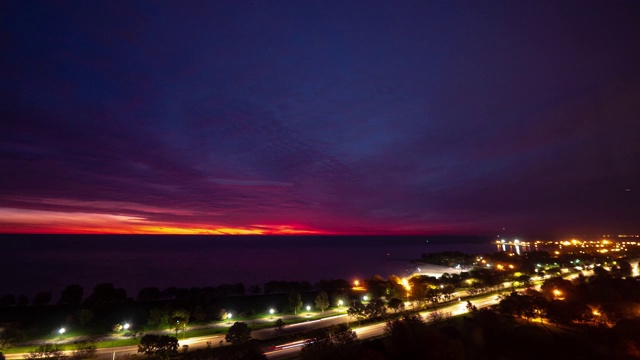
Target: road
x=201 y=341
x=289 y=350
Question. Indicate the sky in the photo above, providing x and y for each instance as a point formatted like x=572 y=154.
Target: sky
x=320 y=117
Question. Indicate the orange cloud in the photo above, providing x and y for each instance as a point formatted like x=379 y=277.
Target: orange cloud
x=54 y=222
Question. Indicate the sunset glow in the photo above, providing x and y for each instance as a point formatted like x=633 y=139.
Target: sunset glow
x=303 y=118
x=37 y=221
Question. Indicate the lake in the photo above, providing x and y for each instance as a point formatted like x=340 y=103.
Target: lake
x=34 y=263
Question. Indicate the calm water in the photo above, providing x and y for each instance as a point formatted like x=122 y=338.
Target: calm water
x=33 y=263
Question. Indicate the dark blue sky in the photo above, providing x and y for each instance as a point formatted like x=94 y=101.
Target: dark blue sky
x=328 y=116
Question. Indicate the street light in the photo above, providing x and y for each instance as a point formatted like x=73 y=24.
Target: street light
x=340 y=302
x=62 y=331
x=271 y=311
x=126 y=326
x=365 y=298
x=229 y=316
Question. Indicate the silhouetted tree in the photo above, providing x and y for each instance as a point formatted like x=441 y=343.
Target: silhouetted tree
x=135 y=330
x=9 y=335
x=396 y=304
x=295 y=301
x=179 y=320
x=375 y=309
x=22 y=300
x=357 y=311
x=160 y=345
x=322 y=301
x=71 y=295
x=334 y=342
x=279 y=326
x=239 y=333
x=149 y=294
x=158 y=317
x=85 y=316
x=42 y=298
x=8 y=300
x=625 y=268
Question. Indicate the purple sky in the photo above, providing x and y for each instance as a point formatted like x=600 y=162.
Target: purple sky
x=425 y=117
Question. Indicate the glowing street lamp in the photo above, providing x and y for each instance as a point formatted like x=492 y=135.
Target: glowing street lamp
x=365 y=298
x=271 y=311
x=229 y=316
x=340 y=302
x=62 y=331
x=126 y=326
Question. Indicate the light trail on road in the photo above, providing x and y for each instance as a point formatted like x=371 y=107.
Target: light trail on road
x=376 y=330
x=284 y=351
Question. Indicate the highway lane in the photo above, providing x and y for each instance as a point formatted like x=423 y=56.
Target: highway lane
x=376 y=330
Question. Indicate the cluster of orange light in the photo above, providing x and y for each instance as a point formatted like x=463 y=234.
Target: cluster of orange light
x=357 y=287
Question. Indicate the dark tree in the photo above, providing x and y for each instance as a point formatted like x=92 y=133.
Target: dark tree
x=179 y=321
x=160 y=345
x=279 y=325
x=8 y=300
x=357 y=311
x=9 y=335
x=239 y=333
x=376 y=286
x=135 y=330
x=85 y=316
x=334 y=342
x=322 y=301
x=333 y=286
x=104 y=294
x=42 y=298
x=411 y=338
x=295 y=301
x=22 y=300
x=71 y=295
x=375 y=308
x=396 y=304
x=625 y=268
x=149 y=294
x=470 y=307
x=158 y=317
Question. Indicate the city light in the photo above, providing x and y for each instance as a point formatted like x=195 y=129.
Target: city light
x=126 y=326
x=62 y=331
